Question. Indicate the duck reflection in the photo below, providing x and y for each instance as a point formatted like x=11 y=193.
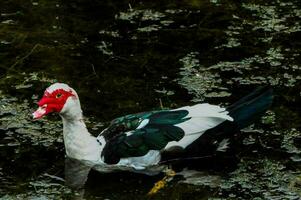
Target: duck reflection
x=76 y=175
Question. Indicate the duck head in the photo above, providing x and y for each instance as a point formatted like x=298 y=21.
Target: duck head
x=59 y=98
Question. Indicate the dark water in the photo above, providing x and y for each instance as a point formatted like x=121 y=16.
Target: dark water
x=129 y=56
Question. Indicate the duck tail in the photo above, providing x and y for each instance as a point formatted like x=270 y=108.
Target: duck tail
x=251 y=107
x=244 y=112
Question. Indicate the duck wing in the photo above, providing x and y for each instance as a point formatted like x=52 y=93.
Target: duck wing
x=159 y=130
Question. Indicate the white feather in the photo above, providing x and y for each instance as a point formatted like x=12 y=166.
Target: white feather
x=143 y=123
x=57 y=86
x=203 y=117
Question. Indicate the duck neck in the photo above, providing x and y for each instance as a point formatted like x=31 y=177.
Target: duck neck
x=79 y=143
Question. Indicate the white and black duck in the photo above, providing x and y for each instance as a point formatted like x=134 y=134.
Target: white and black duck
x=137 y=142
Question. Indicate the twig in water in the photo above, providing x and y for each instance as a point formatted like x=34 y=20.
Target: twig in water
x=189 y=158
x=161 y=104
x=23 y=58
x=54 y=177
x=94 y=72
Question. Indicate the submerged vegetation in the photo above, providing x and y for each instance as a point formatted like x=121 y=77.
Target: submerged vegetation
x=142 y=56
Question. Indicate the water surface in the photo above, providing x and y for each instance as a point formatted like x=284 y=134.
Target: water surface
x=130 y=56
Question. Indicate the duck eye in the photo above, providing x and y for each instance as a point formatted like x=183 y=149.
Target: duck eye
x=58 y=95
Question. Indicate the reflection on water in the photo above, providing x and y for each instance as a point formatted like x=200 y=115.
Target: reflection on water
x=128 y=57
x=76 y=175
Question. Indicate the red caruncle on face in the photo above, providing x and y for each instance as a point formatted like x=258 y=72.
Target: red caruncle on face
x=52 y=102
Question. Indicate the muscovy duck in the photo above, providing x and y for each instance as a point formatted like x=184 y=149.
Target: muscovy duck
x=136 y=142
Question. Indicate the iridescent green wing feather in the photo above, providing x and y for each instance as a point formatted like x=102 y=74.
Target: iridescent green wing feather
x=125 y=123
x=155 y=135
